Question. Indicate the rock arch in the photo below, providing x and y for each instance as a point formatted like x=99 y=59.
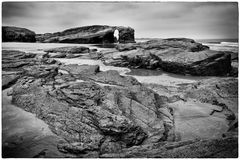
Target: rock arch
x=95 y=34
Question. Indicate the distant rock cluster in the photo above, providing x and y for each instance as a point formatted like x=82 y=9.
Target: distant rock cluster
x=83 y=35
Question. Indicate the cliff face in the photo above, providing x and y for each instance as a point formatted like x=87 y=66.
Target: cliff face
x=89 y=34
x=16 y=34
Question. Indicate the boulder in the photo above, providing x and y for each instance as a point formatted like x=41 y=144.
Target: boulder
x=17 y=34
x=181 y=56
x=89 y=34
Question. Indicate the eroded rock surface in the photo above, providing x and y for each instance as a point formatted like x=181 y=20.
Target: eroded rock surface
x=104 y=114
x=89 y=108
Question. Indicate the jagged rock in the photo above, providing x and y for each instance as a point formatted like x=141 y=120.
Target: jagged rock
x=16 y=34
x=182 y=56
x=89 y=34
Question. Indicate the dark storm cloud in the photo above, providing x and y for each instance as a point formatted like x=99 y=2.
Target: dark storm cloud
x=155 y=19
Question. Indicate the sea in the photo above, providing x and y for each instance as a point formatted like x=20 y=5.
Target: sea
x=221 y=44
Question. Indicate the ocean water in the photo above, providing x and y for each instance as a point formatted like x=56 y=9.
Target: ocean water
x=221 y=44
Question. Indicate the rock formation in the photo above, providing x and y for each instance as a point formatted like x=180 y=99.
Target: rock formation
x=104 y=114
x=92 y=110
x=176 y=55
x=89 y=34
x=16 y=34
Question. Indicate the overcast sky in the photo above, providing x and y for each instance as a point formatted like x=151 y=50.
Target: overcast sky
x=156 y=19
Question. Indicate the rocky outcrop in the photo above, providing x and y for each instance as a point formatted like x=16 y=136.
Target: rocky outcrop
x=94 y=112
x=16 y=34
x=104 y=114
x=89 y=34
x=88 y=114
x=182 y=56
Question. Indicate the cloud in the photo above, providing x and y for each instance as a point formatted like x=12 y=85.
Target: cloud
x=149 y=19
